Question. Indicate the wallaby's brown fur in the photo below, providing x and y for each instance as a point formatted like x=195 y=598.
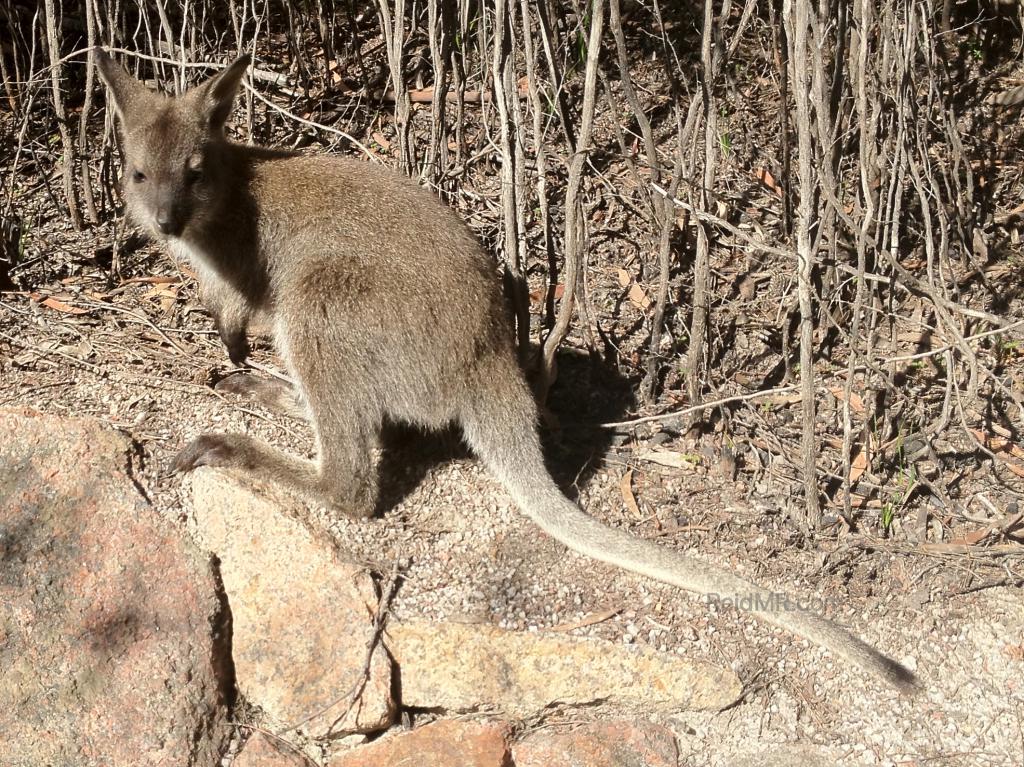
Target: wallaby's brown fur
x=383 y=305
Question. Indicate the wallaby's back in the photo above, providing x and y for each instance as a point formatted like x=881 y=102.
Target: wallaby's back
x=369 y=262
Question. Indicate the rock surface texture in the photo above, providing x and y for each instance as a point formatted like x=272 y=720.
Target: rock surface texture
x=468 y=667
x=261 y=751
x=600 y=744
x=447 y=743
x=303 y=617
x=113 y=643
x=787 y=755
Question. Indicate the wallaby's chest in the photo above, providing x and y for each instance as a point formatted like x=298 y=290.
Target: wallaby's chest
x=224 y=272
x=203 y=261
x=194 y=256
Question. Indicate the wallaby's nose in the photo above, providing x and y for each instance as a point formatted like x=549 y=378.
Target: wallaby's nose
x=167 y=223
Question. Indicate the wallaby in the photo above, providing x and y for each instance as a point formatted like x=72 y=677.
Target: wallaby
x=383 y=306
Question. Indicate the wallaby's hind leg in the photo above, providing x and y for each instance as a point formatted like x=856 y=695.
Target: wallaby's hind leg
x=346 y=424
x=343 y=479
x=347 y=432
x=273 y=394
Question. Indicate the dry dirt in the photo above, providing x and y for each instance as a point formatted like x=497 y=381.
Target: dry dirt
x=133 y=348
x=106 y=351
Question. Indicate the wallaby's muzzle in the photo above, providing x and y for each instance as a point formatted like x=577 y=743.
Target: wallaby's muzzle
x=167 y=222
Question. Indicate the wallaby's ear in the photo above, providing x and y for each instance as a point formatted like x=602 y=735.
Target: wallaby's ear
x=217 y=95
x=122 y=87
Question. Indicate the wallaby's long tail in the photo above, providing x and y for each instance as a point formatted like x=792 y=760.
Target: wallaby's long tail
x=511 y=450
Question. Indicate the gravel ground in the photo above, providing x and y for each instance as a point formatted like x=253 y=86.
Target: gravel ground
x=473 y=557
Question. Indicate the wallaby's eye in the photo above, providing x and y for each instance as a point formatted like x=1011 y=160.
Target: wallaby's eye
x=138 y=176
x=194 y=169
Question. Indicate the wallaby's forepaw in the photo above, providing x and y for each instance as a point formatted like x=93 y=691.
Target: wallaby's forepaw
x=206 y=450
x=238 y=349
x=235 y=341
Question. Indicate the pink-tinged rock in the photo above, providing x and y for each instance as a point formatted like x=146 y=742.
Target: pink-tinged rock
x=302 y=615
x=113 y=642
x=261 y=751
x=600 y=744
x=448 y=743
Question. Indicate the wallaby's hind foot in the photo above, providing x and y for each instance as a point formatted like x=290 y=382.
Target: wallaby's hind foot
x=345 y=486
x=273 y=394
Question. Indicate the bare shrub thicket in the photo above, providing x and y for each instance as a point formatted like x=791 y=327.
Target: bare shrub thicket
x=796 y=182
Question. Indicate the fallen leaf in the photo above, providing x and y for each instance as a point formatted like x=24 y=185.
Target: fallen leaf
x=973 y=537
x=747 y=287
x=157 y=279
x=858 y=465
x=588 y=620
x=765 y=177
x=56 y=305
x=783 y=399
x=856 y=401
x=670 y=458
x=161 y=293
x=858 y=501
x=538 y=295
x=625 y=487
x=637 y=296
x=1000 y=445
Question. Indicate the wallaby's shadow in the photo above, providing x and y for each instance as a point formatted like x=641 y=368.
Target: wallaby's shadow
x=408 y=455
x=588 y=392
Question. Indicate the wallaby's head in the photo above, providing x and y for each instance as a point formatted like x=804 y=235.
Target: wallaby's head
x=174 y=170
